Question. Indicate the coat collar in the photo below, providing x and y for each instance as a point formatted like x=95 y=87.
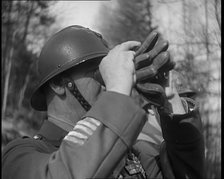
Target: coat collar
x=52 y=133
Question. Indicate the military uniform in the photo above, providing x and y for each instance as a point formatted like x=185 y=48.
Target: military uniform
x=103 y=145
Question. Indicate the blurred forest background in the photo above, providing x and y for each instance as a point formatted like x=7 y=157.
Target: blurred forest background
x=193 y=29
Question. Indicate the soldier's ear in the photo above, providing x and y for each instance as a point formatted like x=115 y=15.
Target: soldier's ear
x=57 y=88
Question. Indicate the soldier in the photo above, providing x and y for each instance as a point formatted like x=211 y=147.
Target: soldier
x=100 y=131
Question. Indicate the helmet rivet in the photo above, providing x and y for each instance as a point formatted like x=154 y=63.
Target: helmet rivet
x=69 y=84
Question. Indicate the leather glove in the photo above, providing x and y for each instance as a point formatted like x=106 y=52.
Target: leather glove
x=152 y=64
x=150 y=59
x=154 y=94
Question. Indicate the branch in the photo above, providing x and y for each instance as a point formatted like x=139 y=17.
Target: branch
x=167 y=2
x=217 y=14
x=219 y=43
x=213 y=93
x=195 y=43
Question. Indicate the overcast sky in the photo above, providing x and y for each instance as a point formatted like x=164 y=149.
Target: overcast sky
x=75 y=12
x=84 y=12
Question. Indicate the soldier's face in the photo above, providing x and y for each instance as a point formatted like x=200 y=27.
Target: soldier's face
x=83 y=77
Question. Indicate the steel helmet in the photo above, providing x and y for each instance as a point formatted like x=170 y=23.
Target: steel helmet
x=64 y=50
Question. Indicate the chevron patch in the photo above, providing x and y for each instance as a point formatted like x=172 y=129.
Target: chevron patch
x=82 y=130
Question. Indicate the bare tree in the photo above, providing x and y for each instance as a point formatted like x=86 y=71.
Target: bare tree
x=200 y=70
x=23 y=23
x=129 y=19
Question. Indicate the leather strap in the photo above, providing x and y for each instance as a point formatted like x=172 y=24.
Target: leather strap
x=75 y=91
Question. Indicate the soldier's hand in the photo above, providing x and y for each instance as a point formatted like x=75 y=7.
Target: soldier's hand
x=117 y=68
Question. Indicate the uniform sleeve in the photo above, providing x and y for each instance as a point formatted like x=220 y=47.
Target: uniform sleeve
x=91 y=150
x=184 y=142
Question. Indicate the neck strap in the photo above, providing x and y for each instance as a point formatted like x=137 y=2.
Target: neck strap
x=75 y=91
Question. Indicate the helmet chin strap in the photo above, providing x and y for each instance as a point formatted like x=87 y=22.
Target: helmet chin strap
x=75 y=91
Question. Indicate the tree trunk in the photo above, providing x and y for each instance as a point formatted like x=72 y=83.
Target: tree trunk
x=206 y=31
x=6 y=47
x=29 y=14
x=8 y=72
x=185 y=25
x=23 y=89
